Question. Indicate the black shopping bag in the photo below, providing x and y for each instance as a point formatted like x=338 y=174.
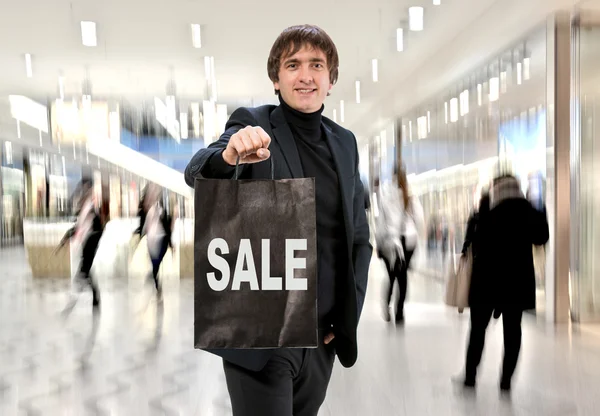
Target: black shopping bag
x=255 y=264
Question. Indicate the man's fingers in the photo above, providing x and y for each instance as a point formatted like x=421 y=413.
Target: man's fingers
x=264 y=137
x=239 y=146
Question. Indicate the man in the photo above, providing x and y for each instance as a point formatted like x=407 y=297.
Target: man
x=303 y=66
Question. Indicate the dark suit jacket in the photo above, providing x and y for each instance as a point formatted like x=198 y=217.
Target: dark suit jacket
x=287 y=165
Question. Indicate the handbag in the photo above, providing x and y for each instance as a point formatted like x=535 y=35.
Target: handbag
x=459 y=281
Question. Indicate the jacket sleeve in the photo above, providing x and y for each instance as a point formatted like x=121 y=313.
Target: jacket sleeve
x=208 y=162
x=362 y=248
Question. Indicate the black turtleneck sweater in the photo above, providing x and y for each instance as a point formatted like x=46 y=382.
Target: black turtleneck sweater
x=317 y=162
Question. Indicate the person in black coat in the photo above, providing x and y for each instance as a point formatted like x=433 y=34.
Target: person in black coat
x=302 y=143
x=87 y=231
x=503 y=279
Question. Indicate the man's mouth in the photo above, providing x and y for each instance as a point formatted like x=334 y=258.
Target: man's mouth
x=305 y=90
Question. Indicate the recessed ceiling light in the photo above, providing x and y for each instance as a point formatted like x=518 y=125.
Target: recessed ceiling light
x=28 y=67
x=375 y=70
x=454 y=110
x=357 y=92
x=494 y=89
x=196 y=36
x=88 y=33
x=400 y=39
x=415 y=18
x=183 y=124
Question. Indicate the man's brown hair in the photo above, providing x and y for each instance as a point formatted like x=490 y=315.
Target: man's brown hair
x=292 y=39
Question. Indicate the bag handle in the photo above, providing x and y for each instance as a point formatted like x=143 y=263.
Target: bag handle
x=237 y=168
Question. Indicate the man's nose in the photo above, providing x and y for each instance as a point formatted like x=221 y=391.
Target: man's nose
x=306 y=75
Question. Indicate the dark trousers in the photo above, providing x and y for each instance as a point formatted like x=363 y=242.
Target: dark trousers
x=156 y=261
x=292 y=383
x=399 y=272
x=511 y=322
x=90 y=247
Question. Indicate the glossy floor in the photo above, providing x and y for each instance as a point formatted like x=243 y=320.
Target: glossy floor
x=136 y=358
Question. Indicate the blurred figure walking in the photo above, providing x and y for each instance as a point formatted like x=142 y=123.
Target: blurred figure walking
x=399 y=227
x=86 y=234
x=157 y=225
x=503 y=280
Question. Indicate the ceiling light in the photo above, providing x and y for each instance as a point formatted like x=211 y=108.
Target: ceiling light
x=196 y=36
x=209 y=113
x=410 y=130
x=479 y=94
x=422 y=127
x=464 y=103
x=519 y=73
x=494 y=89
x=28 y=67
x=8 y=152
x=342 y=111
x=357 y=92
x=446 y=112
x=88 y=34
x=503 y=82
x=526 y=65
x=183 y=124
x=454 y=110
x=437 y=2
x=195 y=107
x=375 y=70
x=415 y=18
x=400 y=39
x=429 y=122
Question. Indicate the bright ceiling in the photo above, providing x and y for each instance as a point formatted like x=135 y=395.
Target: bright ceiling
x=144 y=44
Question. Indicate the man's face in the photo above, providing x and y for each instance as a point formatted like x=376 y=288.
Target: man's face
x=304 y=80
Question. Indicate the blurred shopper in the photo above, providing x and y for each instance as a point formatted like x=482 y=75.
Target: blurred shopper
x=503 y=280
x=86 y=234
x=157 y=225
x=400 y=225
x=303 y=66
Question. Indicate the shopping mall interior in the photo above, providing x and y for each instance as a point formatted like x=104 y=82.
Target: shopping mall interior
x=120 y=95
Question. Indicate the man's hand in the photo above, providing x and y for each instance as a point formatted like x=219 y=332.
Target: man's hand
x=328 y=338
x=251 y=144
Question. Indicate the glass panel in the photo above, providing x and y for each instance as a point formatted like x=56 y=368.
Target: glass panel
x=588 y=285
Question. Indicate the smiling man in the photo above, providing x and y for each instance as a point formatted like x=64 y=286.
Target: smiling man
x=303 y=66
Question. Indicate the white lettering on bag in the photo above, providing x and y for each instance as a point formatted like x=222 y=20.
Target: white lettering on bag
x=218 y=263
x=246 y=258
x=269 y=282
x=249 y=275
x=292 y=263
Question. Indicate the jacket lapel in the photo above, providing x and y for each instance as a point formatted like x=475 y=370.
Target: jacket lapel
x=285 y=139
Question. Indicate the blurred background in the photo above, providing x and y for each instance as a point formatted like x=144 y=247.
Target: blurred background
x=123 y=93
